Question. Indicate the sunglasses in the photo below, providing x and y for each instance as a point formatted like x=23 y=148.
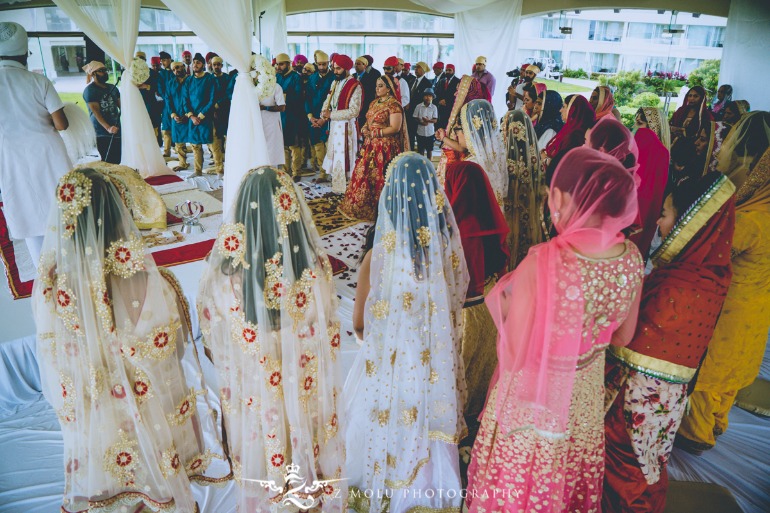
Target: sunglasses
x=387 y=68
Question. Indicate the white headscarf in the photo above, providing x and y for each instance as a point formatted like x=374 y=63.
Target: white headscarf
x=485 y=144
x=13 y=39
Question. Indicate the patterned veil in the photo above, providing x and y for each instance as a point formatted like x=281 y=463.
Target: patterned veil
x=267 y=309
x=485 y=145
x=112 y=330
x=405 y=392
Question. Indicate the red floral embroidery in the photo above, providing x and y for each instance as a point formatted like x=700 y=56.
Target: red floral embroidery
x=63 y=299
x=328 y=489
x=278 y=289
x=304 y=359
x=249 y=401
x=275 y=378
x=73 y=465
x=141 y=388
x=67 y=192
x=175 y=462
x=300 y=300
x=106 y=298
x=232 y=243
x=161 y=340
x=285 y=201
x=334 y=420
x=336 y=340
x=184 y=408
x=63 y=391
x=249 y=335
x=122 y=254
x=277 y=460
x=123 y=459
x=118 y=392
x=195 y=465
x=316 y=450
x=308 y=383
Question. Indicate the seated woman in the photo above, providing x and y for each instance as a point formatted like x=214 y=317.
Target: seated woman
x=655 y=120
x=268 y=314
x=735 y=351
x=542 y=431
x=385 y=136
x=690 y=117
x=734 y=111
x=603 y=102
x=549 y=121
x=404 y=395
x=646 y=381
x=112 y=329
x=724 y=96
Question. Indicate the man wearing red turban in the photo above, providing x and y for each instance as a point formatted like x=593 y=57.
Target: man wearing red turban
x=187 y=60
x=438 y=72
x=391 y=69
x=445 y=90
x=341 y=110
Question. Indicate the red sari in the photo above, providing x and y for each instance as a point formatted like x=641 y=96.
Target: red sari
x=646 y=381
x=368 y=179
x=653 y=175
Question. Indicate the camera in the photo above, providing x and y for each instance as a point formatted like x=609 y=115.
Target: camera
x=514 y=73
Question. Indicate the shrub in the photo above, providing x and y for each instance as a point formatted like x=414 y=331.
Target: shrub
x=575 y=73
x=706 y=75
x=628 y=116
x=624 y=85
x=645 y=100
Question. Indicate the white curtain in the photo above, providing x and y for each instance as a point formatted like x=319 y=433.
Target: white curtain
x=484 y=27
x=114 y=26
x=231 y=37
x=271 y=30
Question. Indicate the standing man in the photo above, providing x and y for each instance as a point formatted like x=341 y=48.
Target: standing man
x=176 y=98
x=201 y=95
x=438 y=73
x=32 y=154
x=291 y=83
x=165 y=77
x=403 y=71
x=187 y=59
x=529 y=75
x=420 y=84
x=390 y=68
x=298 y=63
x=221 y=110
x=318 y=86
x=485 y=77
x=445 y=94
x=368 y=83
x=103 y=102
x=341 y=110
x=148 y=90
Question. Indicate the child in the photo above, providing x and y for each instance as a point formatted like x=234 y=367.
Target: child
x=426 y=114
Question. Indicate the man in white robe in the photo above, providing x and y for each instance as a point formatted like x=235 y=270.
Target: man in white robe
x=32 y=153
x=341 y=110
x=271 y=108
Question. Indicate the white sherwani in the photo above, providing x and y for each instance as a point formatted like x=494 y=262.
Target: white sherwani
x=342 y=146
x=32 y=153
x=271 y=123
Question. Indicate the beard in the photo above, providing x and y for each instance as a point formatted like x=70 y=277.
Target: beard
x=102 y=79
x=342 y=76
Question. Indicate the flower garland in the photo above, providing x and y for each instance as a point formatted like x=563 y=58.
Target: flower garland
x=263 y=76
x=138 y=71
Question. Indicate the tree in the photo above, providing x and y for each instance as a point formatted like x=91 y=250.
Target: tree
x=706 y=75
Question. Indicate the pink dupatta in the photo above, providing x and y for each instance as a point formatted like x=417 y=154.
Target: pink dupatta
x=539 y=309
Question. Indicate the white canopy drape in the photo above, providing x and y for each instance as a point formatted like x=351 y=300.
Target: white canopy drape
x=272 y=29
x=231 y=38
x=484 y=27
x=114 y=26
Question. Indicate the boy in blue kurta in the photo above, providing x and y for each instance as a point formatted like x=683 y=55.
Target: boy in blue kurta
x=201 y=97
x=291 y=83
x=165 y=77
x=318 y=86
x=176 y=99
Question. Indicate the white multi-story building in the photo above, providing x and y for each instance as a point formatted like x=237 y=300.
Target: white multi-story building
x=623 y=39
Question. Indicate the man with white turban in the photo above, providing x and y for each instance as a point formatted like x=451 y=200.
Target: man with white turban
x=32 y=154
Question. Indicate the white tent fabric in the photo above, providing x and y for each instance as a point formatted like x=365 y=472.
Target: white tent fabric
x=484 y=27
x=114 y=26
x=272 y=28
x=231 y=38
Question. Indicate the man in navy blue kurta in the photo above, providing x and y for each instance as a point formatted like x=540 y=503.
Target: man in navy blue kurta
x=221 y=109
x=176 y=99
x=293 y=115
x=318 y=86
x=201 y=96
x=165 y=77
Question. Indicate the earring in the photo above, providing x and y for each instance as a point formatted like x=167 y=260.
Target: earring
x=556 y=216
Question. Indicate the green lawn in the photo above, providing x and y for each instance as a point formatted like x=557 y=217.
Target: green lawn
x=74 y=98
x=562 y=87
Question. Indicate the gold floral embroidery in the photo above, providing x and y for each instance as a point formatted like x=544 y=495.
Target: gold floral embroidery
x=285 y=203
x=409 y=416
x=423 y=236
x=103 y=305
x=95 y=382
x=274 y=376
x=67 y=411
x=476 y=120
x=66 y=306
x=160 y=343
x=371 y=368
x=300 y=295
x=330 y=428
x=393 y=358
x=388 y=241
x=408 y=297
x=391 y=460
x=381 y=416
x=184 y=410
x=380 y=309
x=125 y=258
x=231 y=243
x=309 y=366
x=273 y=285
x=333 y=332
x=440 y=201
x=455 y=260
x=170 y=462
x=425 y=357
x=142 y=389
x=433 y=377
x=73 y=195
x=121 y=459
x=198 y=465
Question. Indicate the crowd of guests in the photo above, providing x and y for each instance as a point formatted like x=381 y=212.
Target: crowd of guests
x=513 y=344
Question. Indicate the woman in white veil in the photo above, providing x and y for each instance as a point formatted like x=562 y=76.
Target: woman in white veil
x=485 y=144
x=268 y=314
x=405 y=393
x=112 y=329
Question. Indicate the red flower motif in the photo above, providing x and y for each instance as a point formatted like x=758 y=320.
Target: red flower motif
x=184 y=408
x=122 y=255
x=308 y=383
x=278 y=289
x=232 y=243
x=277 y=460
x=249 y=335
x=106 y=298
x=285 y=201
x=67 y=192
x=328 y=489
x=175 y=462
x=336 y=340
x=304 y=359
x=131 y=351
x=63 y=390
x=195 y=465
x=141 y=388
x=118 y=392
x=334 y=420
x=250 y=401
x=63 y=299
x=300 y=300
x=161 y=340
x=316 y=450
x=637 y=419
x=275 y=378
x=123 y=459
x=73 y=465
x=654 y=398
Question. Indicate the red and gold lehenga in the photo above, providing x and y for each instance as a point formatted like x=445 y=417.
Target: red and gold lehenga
x=368 y=178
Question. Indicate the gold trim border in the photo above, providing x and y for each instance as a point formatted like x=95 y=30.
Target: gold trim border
x=655 y=367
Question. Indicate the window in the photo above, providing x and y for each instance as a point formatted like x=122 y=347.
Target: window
x=368 y=20
x=706 y=36
x=605 y=31
x=550 y=29
x=604 y=62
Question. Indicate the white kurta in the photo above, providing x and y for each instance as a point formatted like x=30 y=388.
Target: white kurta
x=342 y=146
x=271 y=123
x=32 y=153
